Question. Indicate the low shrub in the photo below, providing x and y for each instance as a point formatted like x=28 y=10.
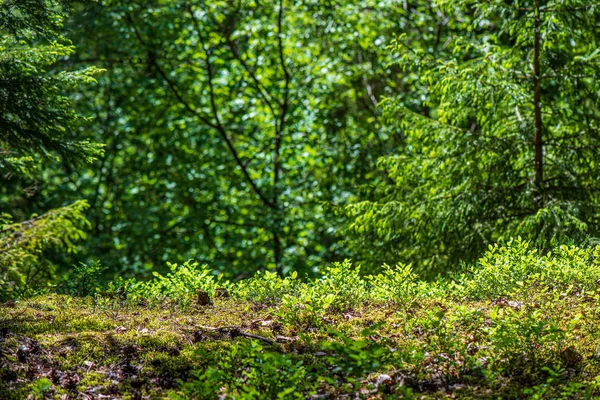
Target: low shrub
x=517 y=267
x=248 y=371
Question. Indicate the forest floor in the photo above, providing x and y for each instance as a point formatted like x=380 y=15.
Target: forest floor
x=538 y=344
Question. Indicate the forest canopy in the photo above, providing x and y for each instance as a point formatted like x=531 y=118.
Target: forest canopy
x=283 y=136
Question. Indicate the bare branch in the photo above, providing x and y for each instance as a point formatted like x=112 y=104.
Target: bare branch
x=194 y=111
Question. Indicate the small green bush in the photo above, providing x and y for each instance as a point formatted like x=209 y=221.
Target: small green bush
x=83 y=280
x=516 y=267
x=394 y=284
x=266 y=287
x=179 y=287
x=248 y=371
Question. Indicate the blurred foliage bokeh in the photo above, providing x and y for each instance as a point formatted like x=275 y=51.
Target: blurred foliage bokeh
x=286 y=135
x=233 y=128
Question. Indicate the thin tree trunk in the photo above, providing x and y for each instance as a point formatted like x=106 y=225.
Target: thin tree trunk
x=277 y=252
x=537 y=106
x=279 y=127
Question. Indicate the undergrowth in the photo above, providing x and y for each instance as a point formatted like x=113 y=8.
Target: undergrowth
x=516 y=325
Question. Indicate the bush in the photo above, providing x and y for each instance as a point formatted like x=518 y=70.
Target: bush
x=516 y=267
x=266 y=287
x=248 y=371
x=505 y=271
x=83 y=280
x=179 y=287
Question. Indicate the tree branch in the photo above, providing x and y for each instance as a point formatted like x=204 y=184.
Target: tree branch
x=193 y=110
x=257 y=85
x=219 y=126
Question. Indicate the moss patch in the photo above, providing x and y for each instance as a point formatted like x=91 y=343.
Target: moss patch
x=534 y=343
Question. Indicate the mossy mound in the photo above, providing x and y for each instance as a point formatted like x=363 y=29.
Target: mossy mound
x=515 y=326
x=61 y=347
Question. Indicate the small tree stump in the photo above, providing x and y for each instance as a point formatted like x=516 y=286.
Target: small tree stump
x=203 y=298
x=570 y=357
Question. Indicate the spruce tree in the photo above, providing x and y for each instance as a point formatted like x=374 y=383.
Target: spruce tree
x=36 y=124
x=509 y=144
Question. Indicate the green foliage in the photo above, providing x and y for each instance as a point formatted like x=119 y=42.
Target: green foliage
x=515 y=267
x=345 y=283
x=568 y=391
x=40 y=387
x=394 y=284
x=250 y=371
x=83 y=280
x=170 y=187
x=440 y=340
x=353 y=357
x=517 y=335
x=267 y=287
x=505 y=271
x=483 y=160
x=37 y=124
x=244 y=135
x=178 y=287
x=36 y=115
x=22 y=265
x=340 y=288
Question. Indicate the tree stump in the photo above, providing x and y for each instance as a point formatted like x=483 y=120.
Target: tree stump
x=203 y=299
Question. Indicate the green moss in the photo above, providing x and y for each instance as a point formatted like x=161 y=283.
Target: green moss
x=473 y=349
x=443 y=340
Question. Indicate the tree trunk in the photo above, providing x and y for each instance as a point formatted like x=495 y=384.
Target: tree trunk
x=537 y=106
